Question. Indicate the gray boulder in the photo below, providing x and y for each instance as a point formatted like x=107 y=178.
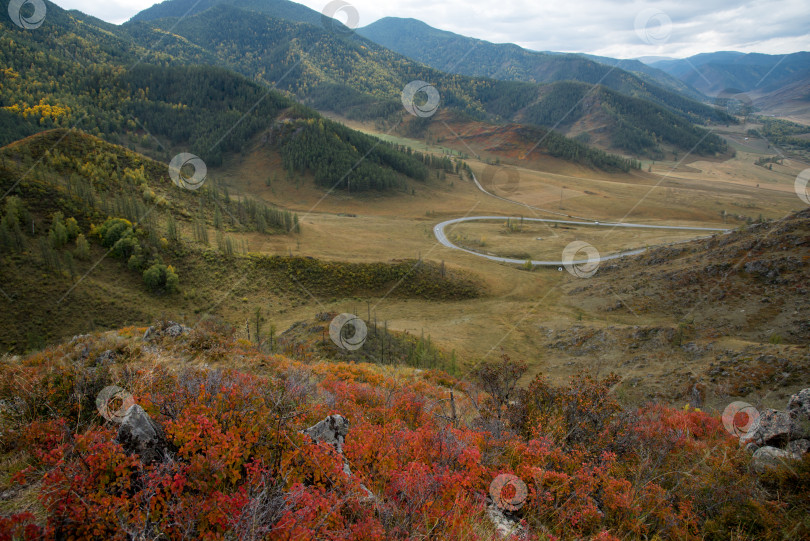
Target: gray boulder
x=140 y=435
x=167 y=328
x=799 y=411
x=175 y=330
x=774 y=429
x=780 y=436
x=332 y=430
x=800 y=402
x=106 y=357
x=771 y=457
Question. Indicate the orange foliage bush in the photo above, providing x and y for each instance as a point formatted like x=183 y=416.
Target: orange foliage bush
x=241 y=467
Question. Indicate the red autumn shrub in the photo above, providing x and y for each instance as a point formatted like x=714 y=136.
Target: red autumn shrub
x=240 y=466
x=20 y=526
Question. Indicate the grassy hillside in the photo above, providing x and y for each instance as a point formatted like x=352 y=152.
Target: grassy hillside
x=91 y=234
x=749 y=283
x=727 y=315
x=636 y=126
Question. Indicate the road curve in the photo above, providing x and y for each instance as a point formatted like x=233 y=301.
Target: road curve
x=438 y=231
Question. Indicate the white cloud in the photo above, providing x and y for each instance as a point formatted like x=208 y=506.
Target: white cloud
x=604 y=27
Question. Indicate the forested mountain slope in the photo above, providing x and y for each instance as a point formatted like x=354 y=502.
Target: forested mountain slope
x=447 y=51
x=75 y=75
x=359 y=79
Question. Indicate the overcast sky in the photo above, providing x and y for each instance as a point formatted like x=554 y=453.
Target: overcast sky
x=617 y=28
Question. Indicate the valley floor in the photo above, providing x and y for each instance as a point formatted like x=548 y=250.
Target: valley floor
x=519 y=306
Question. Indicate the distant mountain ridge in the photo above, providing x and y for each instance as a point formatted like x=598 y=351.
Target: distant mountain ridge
x=184 y=8
x=712 y=73
x=648 y=72
x=447 y=51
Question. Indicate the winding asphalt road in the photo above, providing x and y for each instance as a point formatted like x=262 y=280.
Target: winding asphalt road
x=438 y=231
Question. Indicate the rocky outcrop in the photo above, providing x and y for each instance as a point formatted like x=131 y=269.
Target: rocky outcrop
x=799 y=447
x=333 y=431
x=781 y=436
x=140 y=435
x=771 y=457
x=773 y=430
x=505 y=527
x=165 y=328
x=106 y=357
x=799 y=412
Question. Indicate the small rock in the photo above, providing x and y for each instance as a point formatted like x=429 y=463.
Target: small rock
x=175 y=330
x=771 y=457
x=799 y=447
x=332 y=430
x=505 y=526
x=692 y=348
x=106 y=357
x=140 y=435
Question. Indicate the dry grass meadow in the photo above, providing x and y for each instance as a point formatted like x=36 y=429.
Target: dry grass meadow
x=516 y=302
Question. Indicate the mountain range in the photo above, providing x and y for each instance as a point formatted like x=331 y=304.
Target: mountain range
x=712 y=73
x=355 y=77
x=623 y=106
x=454 y=53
